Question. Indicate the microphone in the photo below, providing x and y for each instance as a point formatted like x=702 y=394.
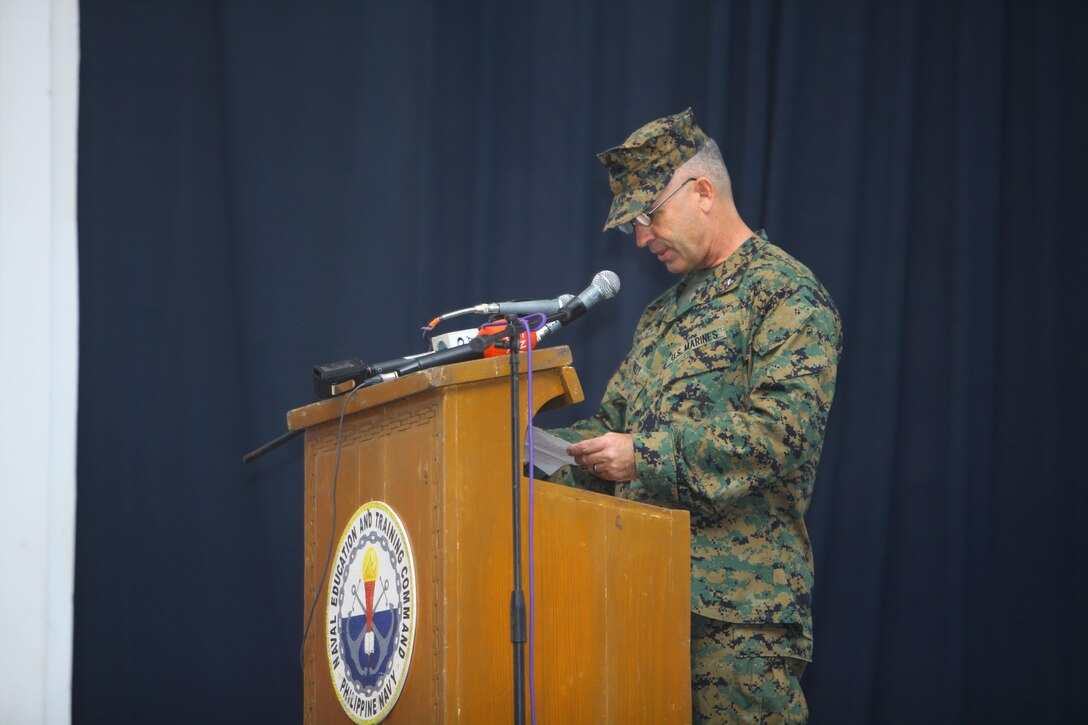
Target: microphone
x=523 y=307
x=399 y=364
x=604 y=286
x=471 y=350
x=548 y=329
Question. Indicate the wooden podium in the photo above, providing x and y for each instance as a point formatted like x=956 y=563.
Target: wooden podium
x=612 y=577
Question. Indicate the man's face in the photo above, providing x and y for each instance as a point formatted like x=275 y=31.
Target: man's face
x=675 y=235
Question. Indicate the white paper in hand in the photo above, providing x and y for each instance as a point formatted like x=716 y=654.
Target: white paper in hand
x=549 y=451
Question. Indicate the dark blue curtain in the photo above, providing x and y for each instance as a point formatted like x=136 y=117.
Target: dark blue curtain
x=268 y=185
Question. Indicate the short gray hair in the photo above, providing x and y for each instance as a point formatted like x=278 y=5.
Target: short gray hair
x=708 y=162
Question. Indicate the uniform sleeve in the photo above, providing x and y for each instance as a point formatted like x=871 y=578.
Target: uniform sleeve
x=715 y=459
x=611 y=416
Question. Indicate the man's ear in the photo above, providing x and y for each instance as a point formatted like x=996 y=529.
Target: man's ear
x=707 y=193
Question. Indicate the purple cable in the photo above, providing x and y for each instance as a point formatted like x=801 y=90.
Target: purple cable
x=532 y=478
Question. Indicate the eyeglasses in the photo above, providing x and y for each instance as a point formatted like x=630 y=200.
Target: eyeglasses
x=643 y=219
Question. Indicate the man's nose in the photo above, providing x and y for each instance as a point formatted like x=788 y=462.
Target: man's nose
x=643 y=235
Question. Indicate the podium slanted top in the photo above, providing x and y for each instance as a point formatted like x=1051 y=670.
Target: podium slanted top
x=439 y=377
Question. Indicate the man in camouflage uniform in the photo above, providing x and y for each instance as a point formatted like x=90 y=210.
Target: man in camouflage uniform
x=719 y=408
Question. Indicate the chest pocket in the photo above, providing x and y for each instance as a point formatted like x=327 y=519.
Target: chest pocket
x=710 y=337
x=695 y=370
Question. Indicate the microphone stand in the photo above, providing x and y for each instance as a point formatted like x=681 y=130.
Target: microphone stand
x=517 y=597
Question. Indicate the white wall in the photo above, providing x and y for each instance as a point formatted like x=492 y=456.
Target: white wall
x=39 y=61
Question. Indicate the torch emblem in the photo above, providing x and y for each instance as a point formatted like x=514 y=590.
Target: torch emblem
x=370 y=576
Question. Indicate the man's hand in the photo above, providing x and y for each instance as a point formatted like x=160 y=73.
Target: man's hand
x=611 y=456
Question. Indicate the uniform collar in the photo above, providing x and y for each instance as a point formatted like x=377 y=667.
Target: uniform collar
x=727 y=275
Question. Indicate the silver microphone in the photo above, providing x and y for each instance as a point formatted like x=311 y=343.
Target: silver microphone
x=523 y=307
x=604 y=286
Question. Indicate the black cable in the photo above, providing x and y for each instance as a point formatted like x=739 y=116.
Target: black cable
x=332 y=529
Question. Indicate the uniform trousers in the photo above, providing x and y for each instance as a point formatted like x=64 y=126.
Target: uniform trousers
x=737 y=675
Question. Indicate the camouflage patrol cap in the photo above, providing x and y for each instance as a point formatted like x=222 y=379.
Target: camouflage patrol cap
x=639 y=169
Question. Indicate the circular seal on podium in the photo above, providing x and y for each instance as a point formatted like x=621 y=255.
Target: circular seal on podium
x=370 y=617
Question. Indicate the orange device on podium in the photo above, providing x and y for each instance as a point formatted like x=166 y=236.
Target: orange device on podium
x=412 y=623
